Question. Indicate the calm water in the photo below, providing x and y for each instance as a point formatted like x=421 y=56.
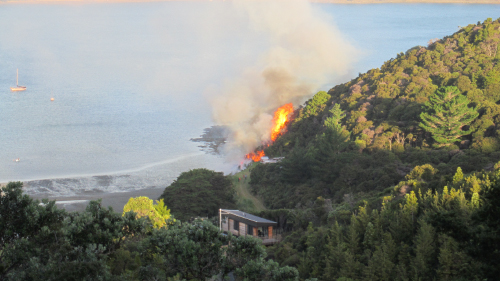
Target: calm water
x=128 y=81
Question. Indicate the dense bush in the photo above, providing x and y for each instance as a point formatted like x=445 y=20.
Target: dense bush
x=417 y=234
x=41 y=242
x=392 y=176
x=199 y=193
x=365 y=135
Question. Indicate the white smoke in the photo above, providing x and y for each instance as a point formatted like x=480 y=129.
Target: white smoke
x=305 y=52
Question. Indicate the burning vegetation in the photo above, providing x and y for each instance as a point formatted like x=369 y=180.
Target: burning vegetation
x=255 y=156
x=281 y=118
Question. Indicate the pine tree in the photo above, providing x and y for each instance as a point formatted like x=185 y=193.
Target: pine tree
x=381 y=265
x=459 y=175
x=351 y=268
x=445 y=114
x=403 y=267
x=353 y=240
x=336 y=137
x=410 y=208
x=452 y=261
x=335 y=249
x=425 y=251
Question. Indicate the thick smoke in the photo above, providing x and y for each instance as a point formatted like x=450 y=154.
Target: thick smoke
x=305 y=52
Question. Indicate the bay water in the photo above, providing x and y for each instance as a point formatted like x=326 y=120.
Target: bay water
x=128 y=80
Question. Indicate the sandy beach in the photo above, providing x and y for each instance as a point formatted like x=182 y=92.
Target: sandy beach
x=114 y=199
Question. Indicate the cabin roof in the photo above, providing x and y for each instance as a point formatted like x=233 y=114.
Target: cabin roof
x=247 y=218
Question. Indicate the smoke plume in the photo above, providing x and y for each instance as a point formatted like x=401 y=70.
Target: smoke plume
x=304 y=52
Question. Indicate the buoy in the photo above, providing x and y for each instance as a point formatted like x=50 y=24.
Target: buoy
x=51 y=99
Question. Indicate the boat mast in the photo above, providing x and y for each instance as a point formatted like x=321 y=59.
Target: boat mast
x=17 y=78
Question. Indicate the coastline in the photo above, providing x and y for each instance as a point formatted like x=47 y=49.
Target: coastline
x=73 y=193
x=116 y=200
x=472 y=2
x=78 y=202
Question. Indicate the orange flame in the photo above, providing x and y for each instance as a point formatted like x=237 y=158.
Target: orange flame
x=255 y=156
x=280 y=120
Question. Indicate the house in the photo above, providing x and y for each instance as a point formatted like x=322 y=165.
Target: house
x=266 y=160
x=244 y=224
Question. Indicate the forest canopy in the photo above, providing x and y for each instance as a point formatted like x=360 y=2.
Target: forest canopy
x=436 y=105
x=42 y=242
x=199 y=193
x=395 y=175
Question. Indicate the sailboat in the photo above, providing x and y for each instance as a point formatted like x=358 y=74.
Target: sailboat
x=17 y=88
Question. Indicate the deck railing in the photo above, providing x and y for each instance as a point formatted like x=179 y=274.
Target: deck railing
x=266 y=240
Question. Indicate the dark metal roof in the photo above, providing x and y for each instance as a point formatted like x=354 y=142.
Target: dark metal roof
x=249 y=218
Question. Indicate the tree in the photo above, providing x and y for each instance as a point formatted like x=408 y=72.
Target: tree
x=425 y=252
x=315 y=104
x=329 y=144
x=191 y=250
x=297 y=166
x=260 y=269
x=488 y=220
x=144 y=207
x=445 y=114
x=335 y=138
x=452 y=261
x=199 y=192
x=21 y=222
x=200 y=251
x=41 y=242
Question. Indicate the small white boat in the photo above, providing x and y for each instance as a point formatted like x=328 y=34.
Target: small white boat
x=17 y=88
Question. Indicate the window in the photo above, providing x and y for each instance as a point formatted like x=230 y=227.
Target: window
x=250 y=229
x=236 y=225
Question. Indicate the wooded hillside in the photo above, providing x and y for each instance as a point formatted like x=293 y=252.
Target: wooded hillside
x=366 y=135
x=395 y=174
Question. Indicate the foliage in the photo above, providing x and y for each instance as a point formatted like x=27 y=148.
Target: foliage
x=41 y=242
x=427 y=235
x=22 y=218
x=199 y=193
x=363 y=137
x=144 y=207
x=362 y=190
x=315 y=104
x=446 y=114
x=199 y=251
x=402 y=159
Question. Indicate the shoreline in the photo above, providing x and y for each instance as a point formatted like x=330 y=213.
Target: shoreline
x=117 y=200
x=73 y=193
x=78 y=202
x=471 y=2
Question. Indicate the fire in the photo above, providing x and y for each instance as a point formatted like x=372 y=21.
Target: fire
x=280 y=120
x=255 y=156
